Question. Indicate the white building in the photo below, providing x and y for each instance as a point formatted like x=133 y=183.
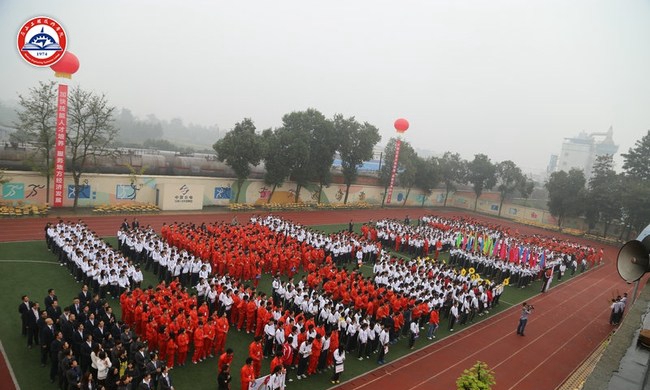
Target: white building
x=580 y=152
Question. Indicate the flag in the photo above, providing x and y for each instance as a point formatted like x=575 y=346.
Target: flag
x=259 y=383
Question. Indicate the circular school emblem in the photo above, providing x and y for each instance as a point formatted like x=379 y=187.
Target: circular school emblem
x=42 y=41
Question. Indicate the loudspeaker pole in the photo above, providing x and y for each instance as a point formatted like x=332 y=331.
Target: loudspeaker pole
x=636 y=288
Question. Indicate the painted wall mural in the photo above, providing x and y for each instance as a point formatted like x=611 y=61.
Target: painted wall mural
x=102 y=189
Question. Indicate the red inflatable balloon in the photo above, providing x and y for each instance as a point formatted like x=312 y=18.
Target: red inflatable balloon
x=66 y=66
x=401 y=125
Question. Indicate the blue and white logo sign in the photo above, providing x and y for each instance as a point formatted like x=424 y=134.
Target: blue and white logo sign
x=222 y=192
x=13 y=191
x=84 y=191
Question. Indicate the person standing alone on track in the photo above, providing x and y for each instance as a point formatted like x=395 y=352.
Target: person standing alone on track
x=523 y=320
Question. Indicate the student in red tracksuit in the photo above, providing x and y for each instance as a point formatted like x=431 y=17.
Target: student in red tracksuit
x=198 y=344
x=171 y=350
x=183 y=346
x=247 y=374
x=251 y=309
x=222 y=327
x=255 y=353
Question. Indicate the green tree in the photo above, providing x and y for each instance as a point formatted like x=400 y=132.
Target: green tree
x=240 y=148
x=509 y=179
x=90 y=132
x=603 y=199
x=37 y=125
x=525 y=188
x=407 y=177
x=453 y=170
x=637 y=159
x=636 y=185
x=323 y=145
x=300 y=132
x=636 y=208
x=427 y=176
x=405 y=154
x=357 y=142
x=478 y=377
x=481 y=173
x=275 y=161
x=566 y=194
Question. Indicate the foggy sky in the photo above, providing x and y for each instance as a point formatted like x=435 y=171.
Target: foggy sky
x=507 y=78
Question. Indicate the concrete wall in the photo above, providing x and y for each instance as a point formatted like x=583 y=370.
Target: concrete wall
x=166 y=191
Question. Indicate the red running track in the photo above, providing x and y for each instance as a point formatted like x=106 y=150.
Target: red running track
x=5 y=376
x=569 y=323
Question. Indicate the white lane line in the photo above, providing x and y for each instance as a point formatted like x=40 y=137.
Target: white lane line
x=30 y=261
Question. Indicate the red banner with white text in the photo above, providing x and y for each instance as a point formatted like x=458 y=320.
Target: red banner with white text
x=394 y=171
x=59 y=145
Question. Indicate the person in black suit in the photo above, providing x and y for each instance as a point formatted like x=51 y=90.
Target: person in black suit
x=224 y=378
x=54 y=311
x=135 y=224
x=83 y=316
x=73 y=375
x=140 y=358
x=32 y=324
x=100 y=332
x=68 y=327
x=146 y=383
x=55 y=347
x=108 y=317
x=133 y=372
x=125 y=382
x=65 y=363
x=125 y=225
x=51 y=297
x=95 y=304
x=84 y=296
x=126 y=337
x=46 y=337
x=78 y=338
x=91 y=323
x=48 y=240
x=76 y=307
x=165 y=381
x=86 y=350
x=24 y=309
x=154 y=367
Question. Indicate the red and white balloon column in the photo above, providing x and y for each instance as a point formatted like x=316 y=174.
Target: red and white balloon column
x=401 y=125
x=65 y=67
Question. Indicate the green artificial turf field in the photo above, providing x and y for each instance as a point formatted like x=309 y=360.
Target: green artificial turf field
x=29 y=268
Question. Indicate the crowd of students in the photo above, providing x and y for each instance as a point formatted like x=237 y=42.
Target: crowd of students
x=345 y=308
x=497 y=252
x=90 y=260
x=84 y=343
x=209 y=274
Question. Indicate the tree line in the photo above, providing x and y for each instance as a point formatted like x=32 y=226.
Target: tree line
x=303 y=149
x=608 y=196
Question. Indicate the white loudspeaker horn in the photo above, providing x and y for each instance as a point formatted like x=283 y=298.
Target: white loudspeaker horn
x=634 y=257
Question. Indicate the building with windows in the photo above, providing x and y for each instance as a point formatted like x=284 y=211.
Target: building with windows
x=580 y=152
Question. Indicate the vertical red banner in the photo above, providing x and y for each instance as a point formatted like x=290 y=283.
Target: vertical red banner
x=59 y=145
x=394 y=171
